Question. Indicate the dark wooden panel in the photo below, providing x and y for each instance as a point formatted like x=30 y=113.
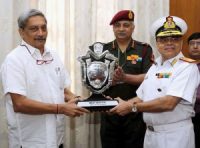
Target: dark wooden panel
x=189 y=10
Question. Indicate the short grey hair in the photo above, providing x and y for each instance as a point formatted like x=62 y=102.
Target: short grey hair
x=23 y=18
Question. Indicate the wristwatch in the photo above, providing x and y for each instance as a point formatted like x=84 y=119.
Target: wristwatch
x=134 y=109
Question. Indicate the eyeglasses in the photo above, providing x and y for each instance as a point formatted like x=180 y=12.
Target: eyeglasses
x=39 y=62
x=194 y=43
x=168 y=39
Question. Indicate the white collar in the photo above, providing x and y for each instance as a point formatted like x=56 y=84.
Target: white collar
x=171 y=61
x=34 y=50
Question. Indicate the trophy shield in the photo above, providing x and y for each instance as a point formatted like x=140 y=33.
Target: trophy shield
x=97 y=69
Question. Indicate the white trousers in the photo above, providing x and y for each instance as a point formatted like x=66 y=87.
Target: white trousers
x=180 y=136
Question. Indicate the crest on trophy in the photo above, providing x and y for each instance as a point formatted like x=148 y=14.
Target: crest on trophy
x=97 y=69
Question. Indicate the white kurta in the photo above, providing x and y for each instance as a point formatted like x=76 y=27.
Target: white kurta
x=172 y=129
x=22 y=75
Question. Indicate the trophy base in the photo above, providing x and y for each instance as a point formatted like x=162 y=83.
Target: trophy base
x=97 y=102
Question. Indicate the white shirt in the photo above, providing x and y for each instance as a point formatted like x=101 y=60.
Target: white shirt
x=182 y=82
x=45 y=83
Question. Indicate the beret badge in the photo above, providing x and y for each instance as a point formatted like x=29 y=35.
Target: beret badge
x=130 y=15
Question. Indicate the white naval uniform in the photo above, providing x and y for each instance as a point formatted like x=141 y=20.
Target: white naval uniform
x=171 y=129
x=45 y=83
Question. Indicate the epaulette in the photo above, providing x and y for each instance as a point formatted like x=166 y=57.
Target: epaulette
x=188 y=60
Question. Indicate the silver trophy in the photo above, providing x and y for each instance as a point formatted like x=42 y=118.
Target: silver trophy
x=97 y=69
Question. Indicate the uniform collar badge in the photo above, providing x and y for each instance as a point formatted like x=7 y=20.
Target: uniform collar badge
x=173 y=62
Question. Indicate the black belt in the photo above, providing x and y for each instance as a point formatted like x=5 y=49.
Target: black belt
x=61 y=146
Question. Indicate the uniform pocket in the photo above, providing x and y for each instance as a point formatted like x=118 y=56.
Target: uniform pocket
x=132 y=68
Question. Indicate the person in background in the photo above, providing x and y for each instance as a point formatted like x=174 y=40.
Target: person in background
x=35 y=87
x=194 y=53
x=134 y=61
x=168 y=93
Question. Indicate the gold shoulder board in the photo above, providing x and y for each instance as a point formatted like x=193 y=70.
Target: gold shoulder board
x=188 y=60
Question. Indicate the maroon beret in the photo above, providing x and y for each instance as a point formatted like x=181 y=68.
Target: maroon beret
x=123 y=15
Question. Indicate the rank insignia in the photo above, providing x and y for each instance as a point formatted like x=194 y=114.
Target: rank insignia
x=163 y=75
x=188 y=60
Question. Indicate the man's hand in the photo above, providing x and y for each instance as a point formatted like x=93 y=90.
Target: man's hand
x=71 y=109
x=119 y=75
x=123 y=108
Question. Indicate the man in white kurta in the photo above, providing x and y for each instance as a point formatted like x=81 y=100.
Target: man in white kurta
x=35 y=88
x=45 y=83
x=167 y=94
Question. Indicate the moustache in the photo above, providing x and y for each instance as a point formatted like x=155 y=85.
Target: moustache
x=121 y=33
x=40 y=39
x=169 y=47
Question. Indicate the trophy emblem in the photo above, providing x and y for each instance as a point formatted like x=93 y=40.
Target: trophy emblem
x=97 y=69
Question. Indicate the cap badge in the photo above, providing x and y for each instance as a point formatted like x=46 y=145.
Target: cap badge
x=169 y=24
x=130 y=15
